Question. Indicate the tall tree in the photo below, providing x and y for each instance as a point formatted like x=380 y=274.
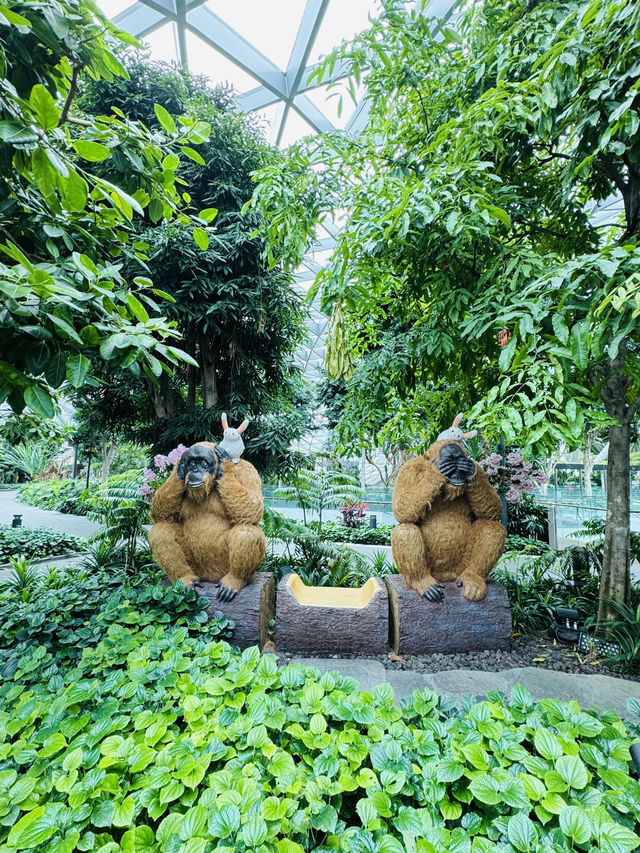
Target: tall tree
x=470 y=251
x=239 y=320
x=63 y=225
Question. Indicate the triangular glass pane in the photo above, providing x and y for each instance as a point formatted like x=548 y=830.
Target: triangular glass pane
x=341 y=22
x=111 y=8
x=203 y=59
x=271 y=27
x=162 y=43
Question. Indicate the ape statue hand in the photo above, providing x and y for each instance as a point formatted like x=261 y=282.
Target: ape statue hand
x=455 y=465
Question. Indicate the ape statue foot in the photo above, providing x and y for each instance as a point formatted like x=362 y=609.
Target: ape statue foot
x=225 y=593
x=434 y=593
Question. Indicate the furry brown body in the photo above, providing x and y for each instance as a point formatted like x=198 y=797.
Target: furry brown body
x=211 y=532
x=445 y=532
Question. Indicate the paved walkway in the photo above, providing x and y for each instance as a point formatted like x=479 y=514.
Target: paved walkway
x=601 y=692
x=75 y=525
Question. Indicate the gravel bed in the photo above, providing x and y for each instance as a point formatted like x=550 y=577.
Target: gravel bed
x=530 y=650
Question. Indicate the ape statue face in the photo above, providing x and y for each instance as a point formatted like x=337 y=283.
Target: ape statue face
x=451 y=460
x=200 y=467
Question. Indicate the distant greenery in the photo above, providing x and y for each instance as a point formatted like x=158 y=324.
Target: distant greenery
x=68 y=496
x=337 y=532
x=34 y=544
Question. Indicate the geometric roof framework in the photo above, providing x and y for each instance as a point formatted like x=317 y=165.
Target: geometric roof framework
x=266 y=49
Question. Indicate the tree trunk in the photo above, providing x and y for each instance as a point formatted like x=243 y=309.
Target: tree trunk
x=587 y=462
x=616 y=575
x=192 y=380
x=163 y=398
x=209 y=384
x=108 y=447
x=615 y=581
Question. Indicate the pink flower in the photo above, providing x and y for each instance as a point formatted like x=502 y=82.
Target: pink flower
x=149 y=475
x=160 y=461
x=176 y=453
x=513 y=495
x=145 y=489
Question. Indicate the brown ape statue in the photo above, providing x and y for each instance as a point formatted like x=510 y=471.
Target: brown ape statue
x=449 y=520
x=206 y=520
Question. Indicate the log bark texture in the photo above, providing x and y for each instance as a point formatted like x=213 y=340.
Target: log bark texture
x=421 y=627
x=252 y=609
x=313 y=628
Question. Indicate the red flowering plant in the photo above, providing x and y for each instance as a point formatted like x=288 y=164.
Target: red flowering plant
x=155 y=476
x=512 y=477
x=353 y=513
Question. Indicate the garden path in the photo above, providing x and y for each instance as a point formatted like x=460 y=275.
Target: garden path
x=601 y=692
x=75 y=525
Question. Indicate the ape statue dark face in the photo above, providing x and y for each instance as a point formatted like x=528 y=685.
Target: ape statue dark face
x=453 y=462
x=201 y=465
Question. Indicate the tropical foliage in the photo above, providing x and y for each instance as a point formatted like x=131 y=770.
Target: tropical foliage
x=470 y=257
x=160 y=737
x=240 y=321
x=70 y=190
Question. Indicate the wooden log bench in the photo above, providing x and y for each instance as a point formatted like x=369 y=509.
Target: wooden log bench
x=421 y=627
x=327 y=619
x=251 y=610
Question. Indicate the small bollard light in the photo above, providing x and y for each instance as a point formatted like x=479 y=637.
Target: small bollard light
x=17 y=521
x=634 y=749
x=373 y=521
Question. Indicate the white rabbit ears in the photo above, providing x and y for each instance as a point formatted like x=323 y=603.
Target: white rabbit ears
x=456 y=422
x=225 y=424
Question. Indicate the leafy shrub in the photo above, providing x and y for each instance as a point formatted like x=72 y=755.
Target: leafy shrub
x=524 y=545
x=336 y=532
x=528 y=518
x=51 y=632
x=36 y=543
x=68 y=496
x=162 y=739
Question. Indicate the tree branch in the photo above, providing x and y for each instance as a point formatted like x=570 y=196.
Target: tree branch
x=73 y=88
x=605 y=165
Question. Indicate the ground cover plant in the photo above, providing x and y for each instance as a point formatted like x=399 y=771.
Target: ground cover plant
x=146 y=732
x=34 y=544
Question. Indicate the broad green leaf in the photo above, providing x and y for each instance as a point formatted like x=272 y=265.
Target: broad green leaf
x=224 y=823
x=522 y=832
x=208 y=214
x=560 y=328
x=192 y=154
x=201 y=238
x=42 y=103
x=77 y=369
x=33 y=829
x=326 y=819
x=506 y=355
x=123 y=812
x=137 y=308
x=193 y=823
x=547 y=744
x=39 y=401
x=254 y=831
x=14 y=133
x=613 y=838
x=580 y=344
x=165 y=118
x=94 y=152
x=485 y=789
x=573 y=771
x=575 y=823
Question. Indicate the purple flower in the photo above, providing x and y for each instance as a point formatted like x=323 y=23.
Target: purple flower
x=149 y=475
x=145 y=489
x=160 y=461
x=176 y=453
x=513 y=495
